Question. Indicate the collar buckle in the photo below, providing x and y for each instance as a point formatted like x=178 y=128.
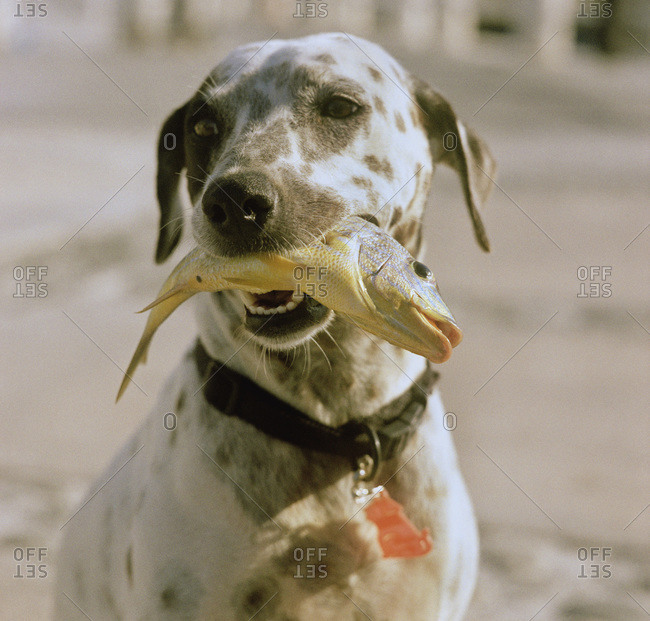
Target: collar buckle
x=394 y=436
x=367 y=465
x=368 y=447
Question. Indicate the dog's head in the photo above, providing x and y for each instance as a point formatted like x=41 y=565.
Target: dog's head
x=285 y=139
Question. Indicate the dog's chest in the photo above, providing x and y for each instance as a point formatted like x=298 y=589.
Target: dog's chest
x=252 y=526
x=310 y=563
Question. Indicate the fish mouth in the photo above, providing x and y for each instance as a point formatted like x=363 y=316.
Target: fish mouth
x=281 y=319
x=446 y=333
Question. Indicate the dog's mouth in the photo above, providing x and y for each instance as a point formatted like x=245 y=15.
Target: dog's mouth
x=272 y=302
x=283 y=318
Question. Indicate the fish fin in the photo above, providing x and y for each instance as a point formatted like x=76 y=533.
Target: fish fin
x=281 y=274
x=280 y=263
x=160 y=312
x=139 y=356
x=243 y=283
x=165 y=296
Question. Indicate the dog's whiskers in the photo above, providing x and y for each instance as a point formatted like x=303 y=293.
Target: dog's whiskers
x=313 y=340
x=192 y=177
x=329 y=334
x=306 y=363
x=174 y=220
x=259 y=361
x=265 y=366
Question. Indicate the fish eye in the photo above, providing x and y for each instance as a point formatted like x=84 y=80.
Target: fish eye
x=421 y=270
x=206 y=127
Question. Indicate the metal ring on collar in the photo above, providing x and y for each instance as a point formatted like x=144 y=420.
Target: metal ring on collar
x=374 y=454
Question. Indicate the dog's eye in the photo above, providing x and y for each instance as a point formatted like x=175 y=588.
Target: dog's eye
x=340 y=108
x=421 y=270
x=206 y=127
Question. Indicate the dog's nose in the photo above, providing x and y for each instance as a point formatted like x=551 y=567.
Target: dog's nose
x=238 y=206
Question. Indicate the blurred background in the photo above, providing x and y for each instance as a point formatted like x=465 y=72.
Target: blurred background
x=549 y=389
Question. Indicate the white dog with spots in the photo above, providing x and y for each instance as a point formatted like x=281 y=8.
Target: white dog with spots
x=218 y=518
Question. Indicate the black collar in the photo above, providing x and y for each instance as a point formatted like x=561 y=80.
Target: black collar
x=381 y=436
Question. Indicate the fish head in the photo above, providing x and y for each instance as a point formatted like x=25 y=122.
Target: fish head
x=405 y=297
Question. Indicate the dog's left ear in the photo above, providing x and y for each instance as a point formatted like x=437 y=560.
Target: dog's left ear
x=456 y=146
x=171 y=162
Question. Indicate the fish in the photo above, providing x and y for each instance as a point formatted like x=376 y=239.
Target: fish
x=200 y=271
x=357 y=269
x=369 y=278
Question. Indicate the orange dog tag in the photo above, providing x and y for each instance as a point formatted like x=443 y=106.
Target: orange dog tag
x=398 y=537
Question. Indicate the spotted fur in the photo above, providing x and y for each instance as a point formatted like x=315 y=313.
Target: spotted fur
x=212 y=519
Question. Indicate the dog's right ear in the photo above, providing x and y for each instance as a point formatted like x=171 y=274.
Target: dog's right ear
x=171 y=162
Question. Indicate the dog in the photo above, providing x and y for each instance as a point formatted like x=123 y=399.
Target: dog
x=223 y=506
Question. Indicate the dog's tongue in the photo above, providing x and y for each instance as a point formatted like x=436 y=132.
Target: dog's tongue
x=273 y=298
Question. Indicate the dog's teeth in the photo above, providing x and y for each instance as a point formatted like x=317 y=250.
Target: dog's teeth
x=247 y=298
x=277 y=310
x=297 y=297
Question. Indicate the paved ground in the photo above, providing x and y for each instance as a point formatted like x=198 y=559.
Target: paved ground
x=549 y=388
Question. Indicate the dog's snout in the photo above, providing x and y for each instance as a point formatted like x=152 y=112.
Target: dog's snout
x=231 y=203
x=238 y=207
